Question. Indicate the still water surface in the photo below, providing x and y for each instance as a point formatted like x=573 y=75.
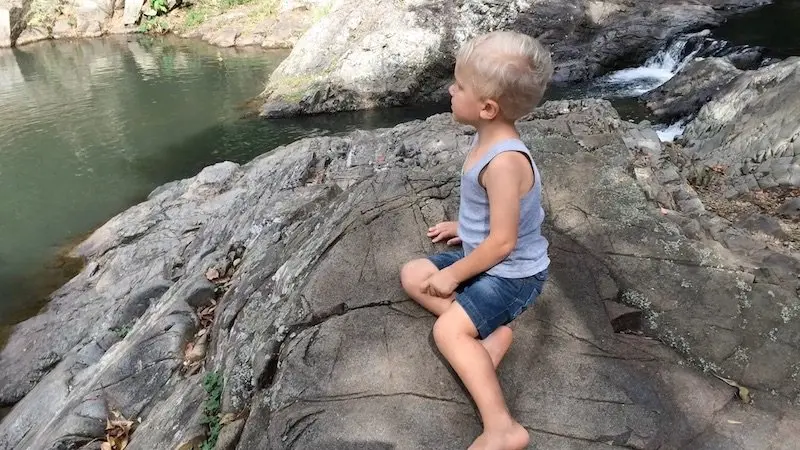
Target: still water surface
x=90 y=127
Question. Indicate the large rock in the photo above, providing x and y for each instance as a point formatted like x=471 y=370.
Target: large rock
x=691 y=88
x=12 y=22
x=132 y=11
x=751 y=128
x=373 y=53
x=318 y=346
x=91 y=17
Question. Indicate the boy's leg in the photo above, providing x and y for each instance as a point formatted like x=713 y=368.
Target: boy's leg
x=412 y=275
x=456 y=337
x=415 y=272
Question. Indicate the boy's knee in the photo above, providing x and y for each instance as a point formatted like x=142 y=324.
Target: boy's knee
x=413 y=273
x=453 y=324
x=441 y=331
x=446 y=328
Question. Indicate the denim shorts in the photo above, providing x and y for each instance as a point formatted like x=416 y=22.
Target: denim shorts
x=492 y=301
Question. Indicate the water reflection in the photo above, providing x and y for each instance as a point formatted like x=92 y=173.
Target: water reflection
x=89 y=127
x=77 y=118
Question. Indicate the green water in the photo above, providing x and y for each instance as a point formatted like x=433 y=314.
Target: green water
x=90 y=127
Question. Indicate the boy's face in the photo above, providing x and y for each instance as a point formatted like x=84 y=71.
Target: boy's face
x=464 y=102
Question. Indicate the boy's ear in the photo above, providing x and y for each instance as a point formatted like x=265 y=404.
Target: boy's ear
x=490 y=110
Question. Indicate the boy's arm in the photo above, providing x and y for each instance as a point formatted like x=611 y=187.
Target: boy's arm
x=501 y=179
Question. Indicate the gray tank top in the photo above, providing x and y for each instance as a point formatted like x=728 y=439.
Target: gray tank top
x=529 y=256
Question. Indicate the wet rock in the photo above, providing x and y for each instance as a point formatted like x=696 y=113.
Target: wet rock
x=318 y=346
x=248 y=39
x=31 y=35
x=224 y=38
x=691 y=88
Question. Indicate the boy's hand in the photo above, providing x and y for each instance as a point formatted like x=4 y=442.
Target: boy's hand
x=441 y=284
x=445 y=230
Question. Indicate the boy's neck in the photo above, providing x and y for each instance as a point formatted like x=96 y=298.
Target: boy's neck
x=496 y=130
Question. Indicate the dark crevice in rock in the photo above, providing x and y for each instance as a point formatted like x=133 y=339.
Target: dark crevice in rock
x=622 y=358
x=623 y=318
x=574 y=336
x=599 y=400
x=361 y=396
x=598 y=440
x=176 y=360
x=298 y=426
x=267 y=376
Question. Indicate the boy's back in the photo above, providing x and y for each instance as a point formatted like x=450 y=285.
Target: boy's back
x=529 y=255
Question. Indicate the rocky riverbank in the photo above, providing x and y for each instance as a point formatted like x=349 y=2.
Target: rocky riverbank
x=271 y=24
x=740 y=144
x=378 y=53
x=279 y=279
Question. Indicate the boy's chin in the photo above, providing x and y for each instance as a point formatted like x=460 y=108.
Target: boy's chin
x=459 y=119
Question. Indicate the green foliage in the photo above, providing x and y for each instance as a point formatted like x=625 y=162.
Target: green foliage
x=122 y=331
x=212 y=384
x=155 y=25
x=195 y=17
x=322 y=10
x=202 y=10
x=43 y=13
x=160 y=6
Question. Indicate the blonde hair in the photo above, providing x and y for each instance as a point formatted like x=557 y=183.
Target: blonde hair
x=510 y=68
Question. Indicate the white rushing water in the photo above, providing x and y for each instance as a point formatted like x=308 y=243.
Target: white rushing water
x=668 y=133
x=657 y=70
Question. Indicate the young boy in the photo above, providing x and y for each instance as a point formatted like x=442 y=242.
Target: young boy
x=502 y=267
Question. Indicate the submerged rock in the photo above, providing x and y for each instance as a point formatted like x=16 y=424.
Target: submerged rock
x=290 y=264
x=379 y=53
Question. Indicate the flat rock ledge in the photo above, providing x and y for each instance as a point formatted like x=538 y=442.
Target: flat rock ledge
x=281 y=276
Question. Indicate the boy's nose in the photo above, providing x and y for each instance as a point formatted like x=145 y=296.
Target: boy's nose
x=450 y=89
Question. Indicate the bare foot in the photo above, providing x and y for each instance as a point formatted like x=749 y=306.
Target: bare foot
x=497 y=344
x=515 y=437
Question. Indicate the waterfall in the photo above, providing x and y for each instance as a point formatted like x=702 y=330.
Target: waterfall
x=662 y=66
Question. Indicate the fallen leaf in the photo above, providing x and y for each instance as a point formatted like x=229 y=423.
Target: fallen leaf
x=212 y=274
x=227 y=418
x=193 y=368
x=198 y=350
x=743 y=392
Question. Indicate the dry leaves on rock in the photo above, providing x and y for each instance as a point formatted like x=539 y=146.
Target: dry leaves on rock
x=118 y=432
x=196 y=351
x=206 y=314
